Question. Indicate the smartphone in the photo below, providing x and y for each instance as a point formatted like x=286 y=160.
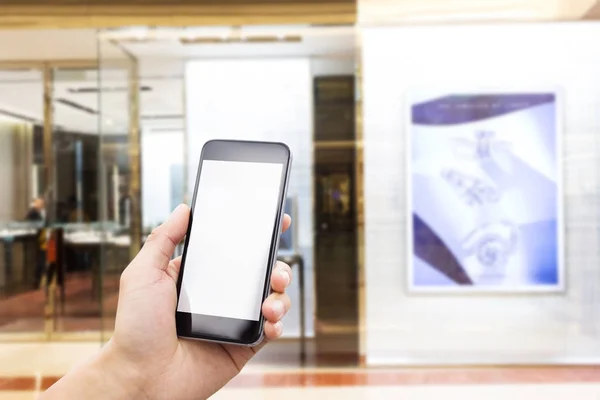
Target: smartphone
x=232 y=240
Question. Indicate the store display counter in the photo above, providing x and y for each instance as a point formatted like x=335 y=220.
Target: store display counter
x=17 y=257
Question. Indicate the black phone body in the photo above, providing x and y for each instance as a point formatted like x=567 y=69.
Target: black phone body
x=232 y=240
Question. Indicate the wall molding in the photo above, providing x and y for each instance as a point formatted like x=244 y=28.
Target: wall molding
x=31 y=14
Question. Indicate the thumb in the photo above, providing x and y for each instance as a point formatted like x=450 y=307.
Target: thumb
x=160 y=245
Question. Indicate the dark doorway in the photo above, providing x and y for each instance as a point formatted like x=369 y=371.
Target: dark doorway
x=336 y=261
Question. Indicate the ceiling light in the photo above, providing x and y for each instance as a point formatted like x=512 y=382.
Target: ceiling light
x=209 y=31
x=275 y=30
x=135 y=33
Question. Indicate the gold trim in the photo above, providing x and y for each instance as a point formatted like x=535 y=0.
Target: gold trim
x=360 y=217
x=338 y=144
x=41 y=64
x=47 y=15
x=135 y=177
x=49 y=190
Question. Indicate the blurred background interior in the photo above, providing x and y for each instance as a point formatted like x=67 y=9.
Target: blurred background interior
x=103 y=109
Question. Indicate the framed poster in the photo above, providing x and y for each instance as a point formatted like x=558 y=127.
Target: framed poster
x=485 y=192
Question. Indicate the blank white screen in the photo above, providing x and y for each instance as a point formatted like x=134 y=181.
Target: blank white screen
x=228 y=250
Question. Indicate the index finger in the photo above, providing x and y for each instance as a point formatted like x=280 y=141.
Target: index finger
x=160 y=245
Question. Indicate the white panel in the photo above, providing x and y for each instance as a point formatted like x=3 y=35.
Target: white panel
x=332 y=66
x=160 y=151
x=456 y=329
x=258 y=99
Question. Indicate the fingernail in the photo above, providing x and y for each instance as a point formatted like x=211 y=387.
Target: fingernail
x=278 y=327
x=278 y=308
x=285 y=275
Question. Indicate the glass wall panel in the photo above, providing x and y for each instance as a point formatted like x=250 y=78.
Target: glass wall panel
x=50 y=264
x=22 y=257
x=77 y=277
x=162 y=119
x=256 y=83
x=118 y=170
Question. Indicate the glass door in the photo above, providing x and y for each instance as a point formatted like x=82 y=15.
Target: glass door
x=22 y=298
x=119 y=171
x=74 y=276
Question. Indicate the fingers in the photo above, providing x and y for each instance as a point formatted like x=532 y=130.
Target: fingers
x=273 y=331
x=278 y=303
x=160 y=245
x=281 y=277
x=274 y=309
x=276 y=306
x=287 y=221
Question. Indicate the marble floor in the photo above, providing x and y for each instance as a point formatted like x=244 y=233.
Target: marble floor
x=430 y=392
x=420 y=392
x=28 y=368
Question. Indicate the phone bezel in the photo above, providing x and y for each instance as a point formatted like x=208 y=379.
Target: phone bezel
x=222 y=329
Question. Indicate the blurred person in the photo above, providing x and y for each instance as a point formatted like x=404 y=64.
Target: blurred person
x=37 y=211
x=54 y=269
x=145 y=359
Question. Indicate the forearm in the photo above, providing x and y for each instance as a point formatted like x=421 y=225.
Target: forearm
x=102 y=377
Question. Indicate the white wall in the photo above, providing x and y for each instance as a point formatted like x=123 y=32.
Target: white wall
x=328 y=66
x=442 y=329
x=259 y=99
x=160 y=150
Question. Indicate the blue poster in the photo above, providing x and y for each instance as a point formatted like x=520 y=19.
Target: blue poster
x=485 y=192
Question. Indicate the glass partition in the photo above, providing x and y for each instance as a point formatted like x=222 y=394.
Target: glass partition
x=162 y=123
x=76 y=277
x=22 y=297
x=279 y=83
x=118 y=171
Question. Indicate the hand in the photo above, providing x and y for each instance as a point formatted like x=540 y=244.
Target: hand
x=145 y=354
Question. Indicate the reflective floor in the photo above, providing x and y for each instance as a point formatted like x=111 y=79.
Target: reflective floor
x=78 y=309
x=429 y=392
x=26 y=369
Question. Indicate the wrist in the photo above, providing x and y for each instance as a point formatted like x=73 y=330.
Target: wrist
x=121 y=377
x=106 y=376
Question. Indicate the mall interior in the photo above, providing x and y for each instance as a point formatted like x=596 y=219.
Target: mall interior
x=429 y=137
